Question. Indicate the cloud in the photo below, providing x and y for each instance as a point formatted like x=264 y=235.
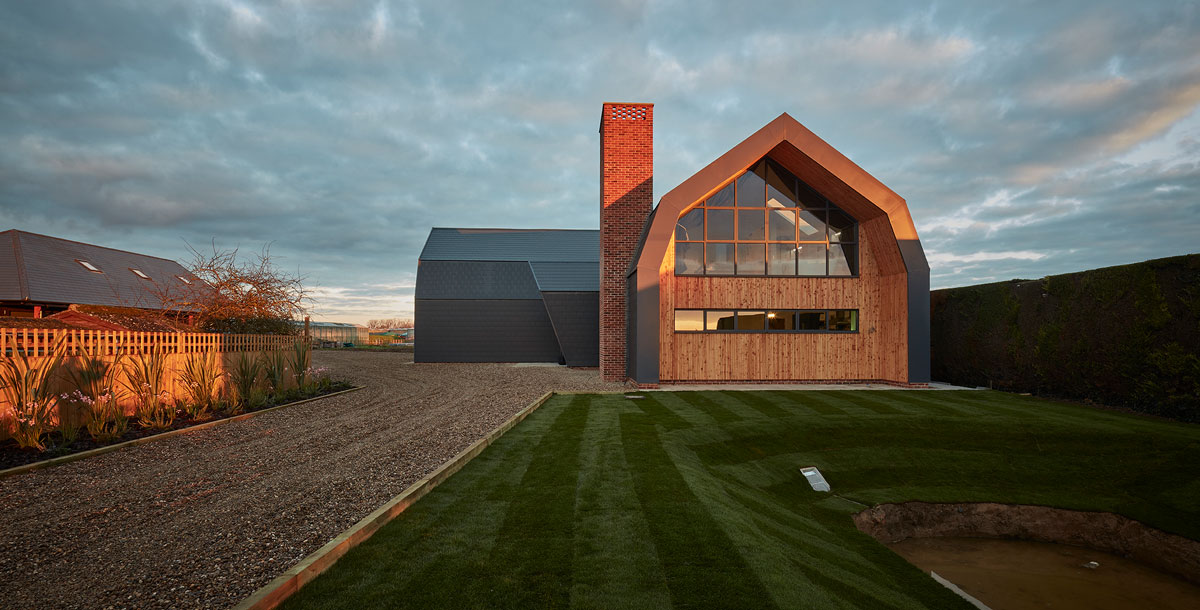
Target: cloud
x=342 y=131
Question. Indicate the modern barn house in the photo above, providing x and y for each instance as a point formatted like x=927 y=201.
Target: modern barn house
x=781 y=261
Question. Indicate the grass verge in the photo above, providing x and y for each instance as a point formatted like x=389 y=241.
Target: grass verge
x=695 y=499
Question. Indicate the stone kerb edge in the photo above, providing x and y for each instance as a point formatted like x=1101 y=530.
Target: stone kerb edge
x=285 y=585
x=58 y=461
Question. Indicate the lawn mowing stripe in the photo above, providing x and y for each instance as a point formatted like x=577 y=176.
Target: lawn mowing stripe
x=615 y=562
x=929 y=402
x=435 y=540
x=756 y=401
x=531 y=560
x=852 y=402
x=720 y=413
x=690 y=407
x=703 y=568
x=662 y=416
x=805 y=404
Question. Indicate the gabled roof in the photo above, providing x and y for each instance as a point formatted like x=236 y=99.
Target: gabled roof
x=560 y=260
x=803 y=153
x=559 y=245
x=42 y=269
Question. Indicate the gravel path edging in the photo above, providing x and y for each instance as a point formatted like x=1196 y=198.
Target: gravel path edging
x=146 y=439
x=288 y=583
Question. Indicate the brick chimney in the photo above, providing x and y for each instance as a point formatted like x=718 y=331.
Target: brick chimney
x=626 y=189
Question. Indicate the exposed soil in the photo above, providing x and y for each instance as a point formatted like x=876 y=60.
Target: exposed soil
x=203 y=519
x=1176 y=555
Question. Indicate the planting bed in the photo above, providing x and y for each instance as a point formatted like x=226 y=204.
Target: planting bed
x=203 y=519
x=11 y=455
x=697 y=500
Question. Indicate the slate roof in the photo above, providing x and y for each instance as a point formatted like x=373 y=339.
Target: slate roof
x=42 y=269
x=560 y=245
x=560 y=260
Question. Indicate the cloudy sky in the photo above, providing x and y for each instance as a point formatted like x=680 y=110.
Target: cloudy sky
x=1029 y=138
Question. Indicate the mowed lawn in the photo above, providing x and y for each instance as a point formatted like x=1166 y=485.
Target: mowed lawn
x=695 y=499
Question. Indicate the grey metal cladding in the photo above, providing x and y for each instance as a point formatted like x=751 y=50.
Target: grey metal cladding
x=576 y=320
x=449 y=244
x=554 y=276
x=52 y=274
x=484 y=331
x=918 y=310
x=475 y=280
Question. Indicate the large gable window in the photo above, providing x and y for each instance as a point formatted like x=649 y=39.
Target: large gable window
x=766 y=222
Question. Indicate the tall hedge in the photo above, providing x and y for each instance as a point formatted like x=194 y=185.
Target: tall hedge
x=1124 y=336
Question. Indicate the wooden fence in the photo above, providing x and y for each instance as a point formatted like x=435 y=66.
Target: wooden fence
x=40 y=341
x=115 y=346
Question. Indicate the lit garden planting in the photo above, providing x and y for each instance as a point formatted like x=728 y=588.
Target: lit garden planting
x=64 y=404
x=696 y=499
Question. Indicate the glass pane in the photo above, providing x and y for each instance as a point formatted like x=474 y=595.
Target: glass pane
x=781 y=187
x=782 y=225
x=811 y=259
x=719 y=320
x=718 y=259
x=689 y=320
x=750 y=259
x=810 y=320
x=781 y=320
x=843 y=319
x=720 y=224
x=841 y=226
x=809 y=199
x=812 y=226
x=751 y=190
x=750 y=225
x=691 y=226
x=843 y=259
x=689 y=258
x=781 y=259
x=722 y=198
x=752 y=320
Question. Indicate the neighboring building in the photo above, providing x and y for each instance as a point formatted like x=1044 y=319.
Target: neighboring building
x=781 y=260
x=338 y=333
x=393 y=336
x=42 y=275
x=508 y=295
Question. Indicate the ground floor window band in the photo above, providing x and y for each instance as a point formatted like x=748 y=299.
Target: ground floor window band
x=766 y=321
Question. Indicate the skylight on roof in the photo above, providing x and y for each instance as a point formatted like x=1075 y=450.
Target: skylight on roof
x=184 y=279
x=89 y=266
x=138 y=272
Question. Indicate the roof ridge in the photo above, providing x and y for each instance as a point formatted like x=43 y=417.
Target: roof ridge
x=84 y=243
x=514 y=230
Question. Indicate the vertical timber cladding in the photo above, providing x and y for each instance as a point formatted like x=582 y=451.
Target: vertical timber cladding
x=626 y=191
x=878 y=351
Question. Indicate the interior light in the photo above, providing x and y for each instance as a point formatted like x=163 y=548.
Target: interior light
x=771 y=315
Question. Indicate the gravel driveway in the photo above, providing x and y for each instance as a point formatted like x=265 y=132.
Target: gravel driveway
x=203 y=519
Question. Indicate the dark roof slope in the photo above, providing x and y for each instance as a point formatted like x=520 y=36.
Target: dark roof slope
x=558 y=245
x=43 y=269
x=561 y=260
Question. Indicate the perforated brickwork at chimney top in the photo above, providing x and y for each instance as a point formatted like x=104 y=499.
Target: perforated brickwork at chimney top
x=626 y=192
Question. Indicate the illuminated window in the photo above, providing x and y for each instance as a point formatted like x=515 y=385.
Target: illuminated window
x=771 y=321
x=89 y=266
x=138 y=272
x=766 y=221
